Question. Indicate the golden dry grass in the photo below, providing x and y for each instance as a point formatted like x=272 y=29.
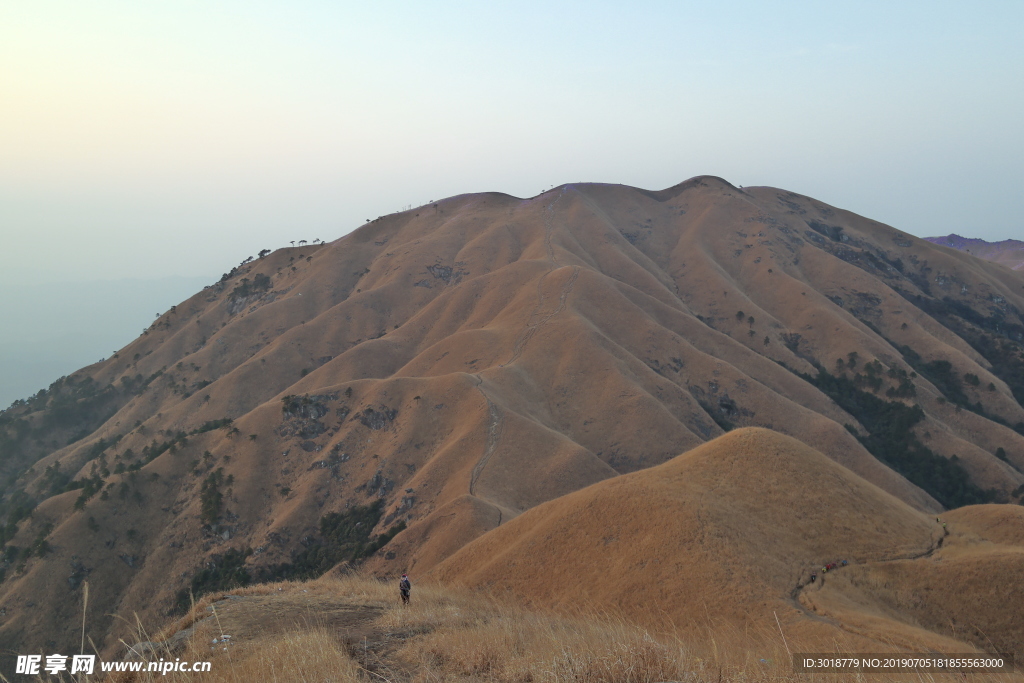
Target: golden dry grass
x=308 y=656
x=530 y=347
x=461 y=636
x=730 y=528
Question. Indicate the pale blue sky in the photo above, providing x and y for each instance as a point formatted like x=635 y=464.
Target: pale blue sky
x=172 y=139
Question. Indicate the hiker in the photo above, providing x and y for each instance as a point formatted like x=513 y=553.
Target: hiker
x=845 y=563
x=404 y=586
x=814 y=577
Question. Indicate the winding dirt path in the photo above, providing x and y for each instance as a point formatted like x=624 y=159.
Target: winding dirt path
x=794 y=595
x=493 y=437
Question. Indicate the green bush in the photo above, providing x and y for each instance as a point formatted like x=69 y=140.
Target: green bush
x=210 y=498
x=716 y=415
x=993 y=336
x=260 y=283
x=210 y=425
x=40 y=546
x=344 y=536
x=890 y=439
x=219 y=573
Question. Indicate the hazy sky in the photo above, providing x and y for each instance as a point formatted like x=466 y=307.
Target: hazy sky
x=51 y=329
x=142 y=139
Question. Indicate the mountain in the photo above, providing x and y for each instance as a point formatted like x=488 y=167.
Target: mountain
x=732 y=531
x=388 y=398
x=1009 y=253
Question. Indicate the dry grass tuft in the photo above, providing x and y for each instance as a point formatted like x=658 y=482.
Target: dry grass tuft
x=308 y=656
x=462 y=636
x=472 y=640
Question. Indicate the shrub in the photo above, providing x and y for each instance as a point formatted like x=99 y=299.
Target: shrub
x=210 y=425
x=260 y=283
x=890 y=439
x=344 y=536
x=39 y=546
x=716 y=415
x=219 y=573
x=210 y=498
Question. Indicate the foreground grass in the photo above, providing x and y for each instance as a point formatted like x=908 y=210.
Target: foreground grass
x=452 y=635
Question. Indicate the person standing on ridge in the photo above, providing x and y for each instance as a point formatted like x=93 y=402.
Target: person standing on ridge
x=404 y=586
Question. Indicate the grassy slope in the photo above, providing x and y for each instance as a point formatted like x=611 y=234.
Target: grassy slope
x=352 y=629
x=520 y=349
x=730 y=533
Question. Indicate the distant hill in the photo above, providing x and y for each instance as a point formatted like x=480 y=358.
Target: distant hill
x=386 y=399
x=1010 y=253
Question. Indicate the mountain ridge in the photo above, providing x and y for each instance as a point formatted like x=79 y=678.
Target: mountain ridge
x=467 y=360
x=1008 y=252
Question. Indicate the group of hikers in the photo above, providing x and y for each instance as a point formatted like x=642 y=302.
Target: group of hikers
x=830 y=567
